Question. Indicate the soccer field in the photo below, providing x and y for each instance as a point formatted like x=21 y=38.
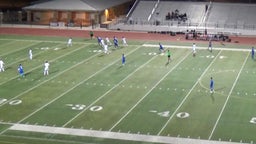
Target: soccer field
x=90 y=97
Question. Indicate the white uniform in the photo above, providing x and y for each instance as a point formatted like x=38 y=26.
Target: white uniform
x=69 y=42
x=106 y=49
x=124 y=41
x=46 y=68
x=194 y=48
x=102 y=43
x=108 y=41
x=1 y=66
x=30 y=54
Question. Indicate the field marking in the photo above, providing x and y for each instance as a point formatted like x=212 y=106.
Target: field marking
x=78 y=48
x=3 y=45
x=185 y=98
x=19 y=49
x=108 y=91
x=230 y=92
x=49 y=78
x=45 y=139
x=110 y=135
x=203 y=48
x=150 y=91
x=75 y=86
x=27 y=57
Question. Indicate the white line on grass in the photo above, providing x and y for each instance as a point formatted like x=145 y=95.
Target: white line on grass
x=2 y=45
x=18 y=49
x=34 y=55
x=74 y=86
x=190 y=47
x=41 y=65
x=229 y=94
x=49 y=78
x=185 y=98
x=108 y=91
x=94 y=134
x=149 y=91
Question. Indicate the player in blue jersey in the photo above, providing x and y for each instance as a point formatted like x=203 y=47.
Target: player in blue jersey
x=252 y=53
x=115 y=42
x=161 y=48
x=211 y=85
x=21 y=71
x=123 y=59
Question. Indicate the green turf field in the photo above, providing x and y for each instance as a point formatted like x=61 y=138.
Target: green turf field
x=89 y=90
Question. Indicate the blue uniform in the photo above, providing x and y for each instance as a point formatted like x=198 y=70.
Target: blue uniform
x=252 y=52
x=161 y=48
x=99 y=40
x=20 y=70
x=211 y=85
x=115 y=42
x=123 y=59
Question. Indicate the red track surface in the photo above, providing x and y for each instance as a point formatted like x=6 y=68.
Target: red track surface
x=110 y=34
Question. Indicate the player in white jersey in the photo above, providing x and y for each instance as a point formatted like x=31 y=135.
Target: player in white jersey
x=102 y=43
x=1 y=65
x=106 y=49
x=69 y=42
x=194 y=49
x=124 y=41
x=30 y=54
x=108 y=41
x=46 y=68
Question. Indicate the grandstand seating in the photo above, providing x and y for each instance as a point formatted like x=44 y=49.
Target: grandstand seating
x=142 y=12
x=194 y=11
x=232 y=14
x=214 y=16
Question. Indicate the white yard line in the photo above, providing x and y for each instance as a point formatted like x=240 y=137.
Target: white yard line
x=34 y=55
x=111 y=135
x=149 y=91
x=190 y=47
x=108 y=91
x=185 y=98
x=41 y=65
x=229 y=94
x=75 y=85
x=49 y=78
x=18 y=49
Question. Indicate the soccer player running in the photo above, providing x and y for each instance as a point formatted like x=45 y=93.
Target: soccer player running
x=123 y=59
x=21 y=71
x=69 y=42
x=124 y=41
x=194 y=49
x=210 y=45
x=108 y=41
x=1 y=65
x=252 y=53
x=168 y=53
x=211 y=85
x=46 y=68
x=30 y=54
x=161 y=48
x=115 y=42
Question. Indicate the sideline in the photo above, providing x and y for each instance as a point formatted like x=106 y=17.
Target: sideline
x=112 y=135
x=202 y=48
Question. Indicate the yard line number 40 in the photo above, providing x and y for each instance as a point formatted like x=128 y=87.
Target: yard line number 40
x=12 y=102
